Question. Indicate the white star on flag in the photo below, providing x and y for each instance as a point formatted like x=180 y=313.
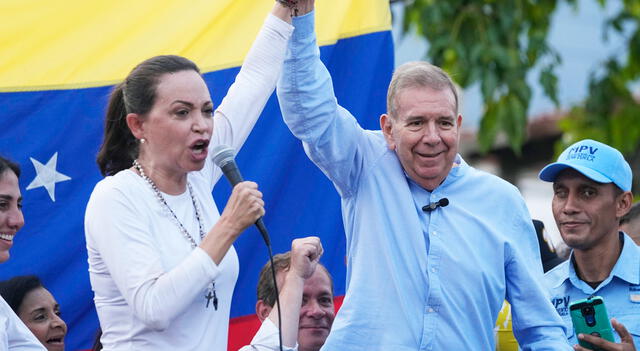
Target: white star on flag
x=47 y=176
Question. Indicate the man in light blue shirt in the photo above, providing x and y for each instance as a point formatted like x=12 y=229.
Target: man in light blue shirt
x=422 y=273
x=592 y=191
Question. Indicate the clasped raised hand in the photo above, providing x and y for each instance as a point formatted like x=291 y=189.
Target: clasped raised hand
x=305 y=255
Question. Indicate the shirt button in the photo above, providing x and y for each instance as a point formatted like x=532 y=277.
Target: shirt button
x=434 y=233
x=430 y=310
x=433 y=270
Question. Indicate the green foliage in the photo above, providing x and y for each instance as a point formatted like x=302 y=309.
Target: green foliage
x=611 y=113
x=495 y=44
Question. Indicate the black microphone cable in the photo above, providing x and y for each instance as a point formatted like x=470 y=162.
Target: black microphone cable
x=275 y=285
x=223 y=157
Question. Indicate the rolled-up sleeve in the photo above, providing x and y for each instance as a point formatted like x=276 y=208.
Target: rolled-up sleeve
x=331 y=136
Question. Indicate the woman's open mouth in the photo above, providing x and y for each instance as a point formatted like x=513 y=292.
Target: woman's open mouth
x=200 y=146
x=56 y=342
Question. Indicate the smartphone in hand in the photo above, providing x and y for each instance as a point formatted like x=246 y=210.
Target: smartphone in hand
x=589 y=316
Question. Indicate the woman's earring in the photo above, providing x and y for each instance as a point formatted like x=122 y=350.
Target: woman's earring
x=143 y=140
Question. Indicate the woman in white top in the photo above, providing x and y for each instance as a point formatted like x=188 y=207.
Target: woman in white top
x=14 y=335
x=161 y=261
x=37 y=309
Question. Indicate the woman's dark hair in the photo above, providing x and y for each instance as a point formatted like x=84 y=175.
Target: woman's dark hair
x=6 y=164
x=97 y=344
x=15 y=289
x=136 y=94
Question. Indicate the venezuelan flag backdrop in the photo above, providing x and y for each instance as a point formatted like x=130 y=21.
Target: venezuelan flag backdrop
x=58 y=63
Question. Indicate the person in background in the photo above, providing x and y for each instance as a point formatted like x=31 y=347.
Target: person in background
x=14 y=335
x=591 y=192
x=317 y=310
x=305 y=296
x=37 y=308
x=161 y=259
x=630 y=223
x=548 y=254
x=409 y=287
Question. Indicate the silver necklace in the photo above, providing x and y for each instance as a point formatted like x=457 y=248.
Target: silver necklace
x=210 y=293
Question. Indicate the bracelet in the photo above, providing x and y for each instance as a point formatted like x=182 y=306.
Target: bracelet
x=292 y=4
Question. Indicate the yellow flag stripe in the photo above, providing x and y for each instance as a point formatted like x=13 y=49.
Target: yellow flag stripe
x=66 y=44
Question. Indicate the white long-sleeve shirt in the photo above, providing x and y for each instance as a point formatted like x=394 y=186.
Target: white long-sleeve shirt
x=149 y=284
x=266 y=339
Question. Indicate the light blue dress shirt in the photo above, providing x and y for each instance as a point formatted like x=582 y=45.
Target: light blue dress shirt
x=620 y=291
x=415 y=280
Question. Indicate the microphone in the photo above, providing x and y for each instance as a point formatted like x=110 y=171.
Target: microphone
x=224 y=157
x=432 y=206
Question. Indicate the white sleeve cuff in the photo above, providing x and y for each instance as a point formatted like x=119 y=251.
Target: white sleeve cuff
x=267 y=338
x=278 y=25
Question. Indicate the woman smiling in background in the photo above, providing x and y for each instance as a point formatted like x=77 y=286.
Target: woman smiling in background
x=37 y=308
x=13 y=333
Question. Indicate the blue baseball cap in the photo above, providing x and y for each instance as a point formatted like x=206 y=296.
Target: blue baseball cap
x=595 y=160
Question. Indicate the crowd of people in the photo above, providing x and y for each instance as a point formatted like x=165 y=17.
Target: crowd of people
x=163 y=267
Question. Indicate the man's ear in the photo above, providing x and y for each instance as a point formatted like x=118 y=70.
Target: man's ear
x=386 y=125
x=135 y=124
x=262 y=310
x=623 y=204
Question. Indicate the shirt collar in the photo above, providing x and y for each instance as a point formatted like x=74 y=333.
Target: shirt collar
x=626 y=268
x=560 y=273
x=459 y=167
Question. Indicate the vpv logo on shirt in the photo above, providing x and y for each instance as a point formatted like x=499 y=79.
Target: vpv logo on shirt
x=561 y=304
x=582 y=152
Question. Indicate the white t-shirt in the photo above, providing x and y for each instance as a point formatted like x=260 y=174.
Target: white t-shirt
x=149 y=284
x=267 y=339
x=14 y=335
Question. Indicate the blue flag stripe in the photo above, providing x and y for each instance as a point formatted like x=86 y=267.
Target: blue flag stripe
x=300 y=200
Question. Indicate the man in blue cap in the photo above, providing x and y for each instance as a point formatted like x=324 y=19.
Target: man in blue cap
x=592 y=191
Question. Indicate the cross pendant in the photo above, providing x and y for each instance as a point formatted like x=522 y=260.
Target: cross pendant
x=211 y=295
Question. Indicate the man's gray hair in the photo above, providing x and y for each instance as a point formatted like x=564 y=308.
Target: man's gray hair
x=418 y=74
